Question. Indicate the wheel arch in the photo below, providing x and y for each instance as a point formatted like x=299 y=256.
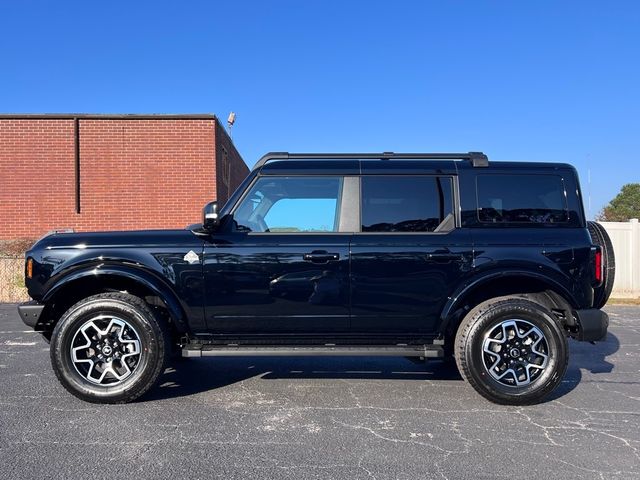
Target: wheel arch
x=90 y=280
x=538 y=287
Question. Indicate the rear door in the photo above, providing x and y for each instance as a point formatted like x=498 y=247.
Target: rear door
x=409 y=254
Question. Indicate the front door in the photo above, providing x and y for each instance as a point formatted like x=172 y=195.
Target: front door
x=280 y=263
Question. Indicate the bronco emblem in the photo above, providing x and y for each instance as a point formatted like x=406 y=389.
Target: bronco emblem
x=191 y=257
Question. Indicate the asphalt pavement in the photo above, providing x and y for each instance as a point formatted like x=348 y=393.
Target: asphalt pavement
x=345 y=417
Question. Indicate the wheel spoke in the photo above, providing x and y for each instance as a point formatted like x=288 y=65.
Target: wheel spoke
x=114 y=372
x=104 y=374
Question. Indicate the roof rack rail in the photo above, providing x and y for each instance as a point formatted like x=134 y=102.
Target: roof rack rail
x=478 y=159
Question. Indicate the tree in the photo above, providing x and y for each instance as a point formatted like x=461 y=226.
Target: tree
x=626 y=205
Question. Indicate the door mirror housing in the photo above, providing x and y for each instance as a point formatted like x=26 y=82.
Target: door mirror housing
x=210 y=220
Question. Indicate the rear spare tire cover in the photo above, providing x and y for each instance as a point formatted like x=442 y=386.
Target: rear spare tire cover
x=600 y=237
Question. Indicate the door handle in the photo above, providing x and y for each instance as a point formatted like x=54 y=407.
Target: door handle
x=320 y=256
x=443 y=257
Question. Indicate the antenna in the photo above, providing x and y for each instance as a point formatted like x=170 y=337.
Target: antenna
x=589 y=181
x=589 y=184
x=230 y=121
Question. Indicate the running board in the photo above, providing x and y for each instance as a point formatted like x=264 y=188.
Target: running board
x=427 y=351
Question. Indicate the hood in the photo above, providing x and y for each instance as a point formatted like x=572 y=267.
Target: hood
x=122 y=239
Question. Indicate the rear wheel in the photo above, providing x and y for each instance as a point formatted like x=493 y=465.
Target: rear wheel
x=109 y=348
x=511 y=350
x=600 y=237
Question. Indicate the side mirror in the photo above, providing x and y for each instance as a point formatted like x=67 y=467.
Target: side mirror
x=210 y=216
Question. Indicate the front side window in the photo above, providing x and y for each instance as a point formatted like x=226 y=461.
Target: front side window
x=290 y=204
x=521 y=199
x=407 y=204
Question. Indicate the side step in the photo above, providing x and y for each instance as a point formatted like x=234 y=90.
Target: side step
x=427 y=351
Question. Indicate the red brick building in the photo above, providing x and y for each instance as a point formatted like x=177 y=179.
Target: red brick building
x=111 y=172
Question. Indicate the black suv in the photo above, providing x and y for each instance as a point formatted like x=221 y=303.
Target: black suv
x=415 y=255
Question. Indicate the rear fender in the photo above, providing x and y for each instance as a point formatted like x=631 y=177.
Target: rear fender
x=480 y=285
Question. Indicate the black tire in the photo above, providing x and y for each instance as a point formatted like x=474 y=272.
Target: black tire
x=138 y=323
x=488 y=317
x=600 y=237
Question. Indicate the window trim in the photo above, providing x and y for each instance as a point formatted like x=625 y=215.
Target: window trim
x=564 y=196
x=455 y=203
x=349 y=221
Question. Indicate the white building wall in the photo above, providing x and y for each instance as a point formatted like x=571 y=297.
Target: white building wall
x=625 y=237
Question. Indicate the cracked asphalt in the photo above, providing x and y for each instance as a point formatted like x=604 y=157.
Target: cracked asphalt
x=353 y=418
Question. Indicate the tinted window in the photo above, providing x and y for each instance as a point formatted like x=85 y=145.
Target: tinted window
x=521 y=199
x=406 y=204
x=290 y=204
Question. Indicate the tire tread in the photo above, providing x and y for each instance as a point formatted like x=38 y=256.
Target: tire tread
x=600 y=237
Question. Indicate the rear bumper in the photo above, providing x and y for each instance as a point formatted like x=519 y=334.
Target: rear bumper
x=30 y=313
x=592 y=324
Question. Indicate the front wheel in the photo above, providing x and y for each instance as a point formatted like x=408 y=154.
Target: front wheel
x=511 y=350
x=109 y=348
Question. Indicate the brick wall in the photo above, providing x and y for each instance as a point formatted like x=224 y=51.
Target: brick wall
x=36 y=176
x=229 y=164
x=135 y=173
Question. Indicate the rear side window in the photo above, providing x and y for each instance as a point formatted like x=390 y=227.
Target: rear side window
x=406 y=204
x=521 y=199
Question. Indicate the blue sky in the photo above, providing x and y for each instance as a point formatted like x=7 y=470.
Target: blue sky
x=548 y=81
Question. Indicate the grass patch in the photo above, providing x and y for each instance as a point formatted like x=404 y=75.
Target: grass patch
x=624 y=301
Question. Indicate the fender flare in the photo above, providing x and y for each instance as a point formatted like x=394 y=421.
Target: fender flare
x=136 y=274
x=457 y=299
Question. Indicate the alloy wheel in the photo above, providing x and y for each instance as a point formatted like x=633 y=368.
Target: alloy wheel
x=106 y=350
x=515 y=352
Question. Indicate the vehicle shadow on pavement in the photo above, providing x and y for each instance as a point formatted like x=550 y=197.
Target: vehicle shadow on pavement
x=195 y=375
x=584 y=356
x=191 y=376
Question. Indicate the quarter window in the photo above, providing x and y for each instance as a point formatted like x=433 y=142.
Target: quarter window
x=407 y=204
x=521 y=199
x=290 y=204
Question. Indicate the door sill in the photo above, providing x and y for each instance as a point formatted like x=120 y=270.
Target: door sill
x=426 y=351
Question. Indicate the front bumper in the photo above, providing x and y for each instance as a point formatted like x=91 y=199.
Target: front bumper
x=30 y=312
x=592 y=324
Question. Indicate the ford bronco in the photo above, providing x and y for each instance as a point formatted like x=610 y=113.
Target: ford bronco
x=492 y=264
